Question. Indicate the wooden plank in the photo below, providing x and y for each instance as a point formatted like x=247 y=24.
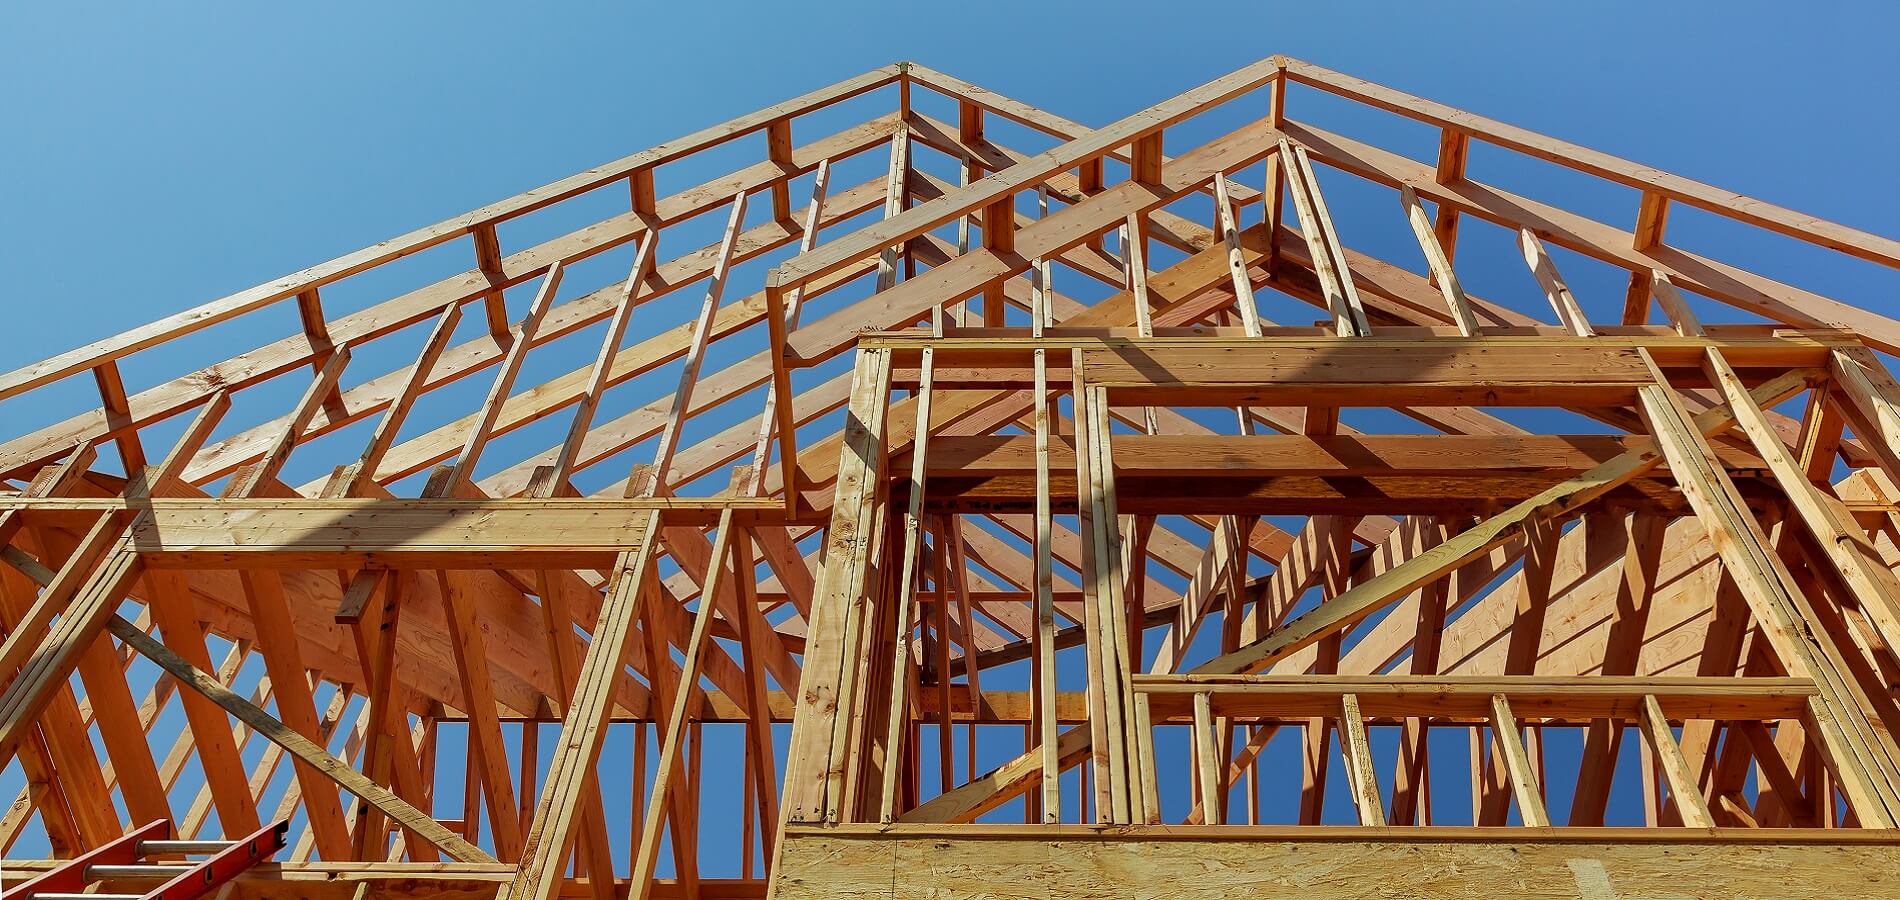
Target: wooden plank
x=118 y=410
x=794 y=305
x=1375 y=592
x=65 y=780
x=1404 y=369
x=557 y=813
x=1230 y=457
x=270 y=615
x=1873 y=403
x=407 y=533
x=896 y=177
x=695 y=354
x=57 y=648
x=1438 y=261
x=1208 y=862
x=1325 y=263
x=1675 y=769
x=1043 y=644
x=675 y=731
x=102 y=539
x=1556 y=291
x=1000 y=785
x=1349 y=315
x=1209 y=771
x=855 y=522
x=1524 y=787
x=1454 y=150
x=1465 y=698
x=1228 y=226
x=603 y=361
x=1365 y=779
x=1104 y=580
x=468 y=640
x=388 y=755
x=498 y=390
x=760 y=750
x=897 y=723
x=1861 y=758
x=296 y=744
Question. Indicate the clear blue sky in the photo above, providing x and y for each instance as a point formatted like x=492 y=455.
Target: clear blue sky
x=156 y=156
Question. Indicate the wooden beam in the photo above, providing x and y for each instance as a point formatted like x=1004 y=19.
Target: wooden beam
x=57 y=646
x=909 y=863
x=1523 y=778
x=296 y=744
x=551 y=832
x=1363 y=598
x=1438 y=262
x=695 y=354
x=1002 y=784
x=1861 y=757
x=1675 y=769
x=810 y=793
x=1365 y=779
x=489 y=756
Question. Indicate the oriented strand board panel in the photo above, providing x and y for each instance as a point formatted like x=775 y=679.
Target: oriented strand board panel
x=1204 y=864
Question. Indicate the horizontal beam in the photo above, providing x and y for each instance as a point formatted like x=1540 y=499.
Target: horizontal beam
x=1222 y=456
x=1744 y=345
x=1468 y=697
x=379 y=880
x=1369 y=372
x=1300 y=495
x=432 y=533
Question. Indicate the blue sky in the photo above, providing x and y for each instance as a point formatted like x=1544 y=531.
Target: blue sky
x=159 y=156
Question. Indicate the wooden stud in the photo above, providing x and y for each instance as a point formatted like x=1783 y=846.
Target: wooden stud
x=1517 y=765
x=299 y=746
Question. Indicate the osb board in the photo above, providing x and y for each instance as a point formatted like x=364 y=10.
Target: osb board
x=862 y=863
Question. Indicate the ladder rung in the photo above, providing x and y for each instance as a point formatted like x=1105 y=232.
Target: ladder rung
x=86 y=896
x=147 y=848
x=135 y=871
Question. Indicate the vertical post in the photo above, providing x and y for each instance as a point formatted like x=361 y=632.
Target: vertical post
x=898 y=721
x=812 y=792
x=1453 y=147
x=1208 y=767
x=778 y=149
x=1365 y=781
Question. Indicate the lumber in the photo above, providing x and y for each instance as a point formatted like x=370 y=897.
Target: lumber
x=1095 y=451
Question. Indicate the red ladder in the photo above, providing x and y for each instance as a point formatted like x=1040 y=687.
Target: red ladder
x=126 y=860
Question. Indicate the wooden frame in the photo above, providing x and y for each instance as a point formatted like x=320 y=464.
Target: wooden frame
x=1702 y=578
